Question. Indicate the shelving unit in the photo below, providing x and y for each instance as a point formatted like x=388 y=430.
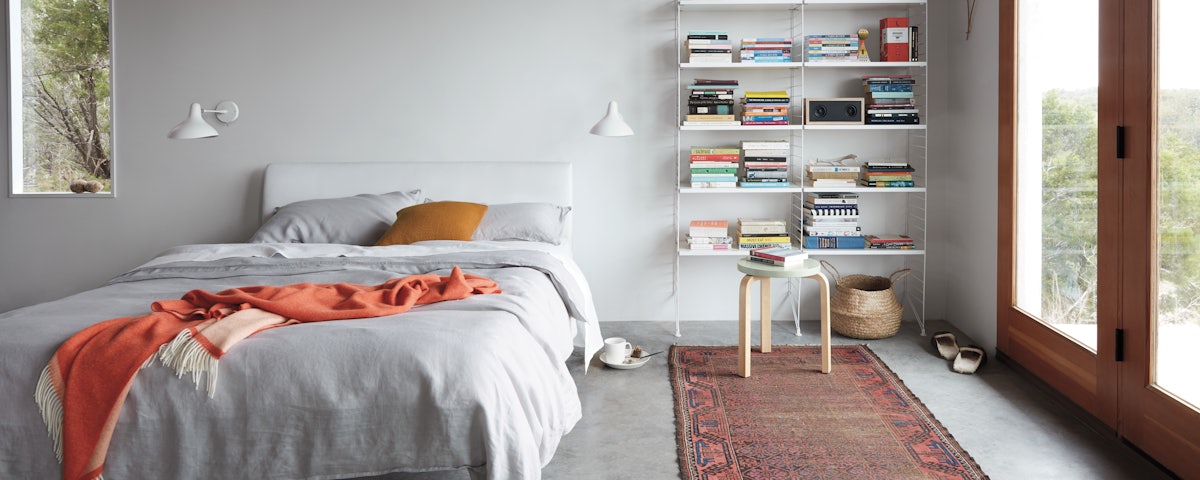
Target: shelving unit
x=892 y=210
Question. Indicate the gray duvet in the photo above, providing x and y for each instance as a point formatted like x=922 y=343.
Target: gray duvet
x=479 y=383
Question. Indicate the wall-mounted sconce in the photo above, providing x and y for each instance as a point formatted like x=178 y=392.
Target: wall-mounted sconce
x=195 y=126
x=612 y=125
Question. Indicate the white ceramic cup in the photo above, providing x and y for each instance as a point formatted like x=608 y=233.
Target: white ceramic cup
x=616 y=349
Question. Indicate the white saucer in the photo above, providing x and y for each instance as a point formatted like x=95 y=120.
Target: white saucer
x=629 y=362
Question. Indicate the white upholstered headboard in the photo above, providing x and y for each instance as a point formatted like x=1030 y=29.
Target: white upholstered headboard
x=479 y=182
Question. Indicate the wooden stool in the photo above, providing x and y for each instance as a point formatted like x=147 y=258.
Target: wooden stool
x=763 y=273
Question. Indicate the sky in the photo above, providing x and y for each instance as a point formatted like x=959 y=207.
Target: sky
x=1060 y=36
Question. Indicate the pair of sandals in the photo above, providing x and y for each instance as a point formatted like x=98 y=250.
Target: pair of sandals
x=966 y=359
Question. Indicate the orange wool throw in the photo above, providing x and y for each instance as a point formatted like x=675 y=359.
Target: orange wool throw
x=81 y=390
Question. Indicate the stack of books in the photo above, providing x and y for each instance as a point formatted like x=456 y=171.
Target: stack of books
x=710 y=102
x=714 y=167
x=890 y=240
x=765 y=108
x=766 y=50
x=832 y=48
x=709 y=235
x=708 y=46
x=765 y=163
x=890 y=100
x=833 y=176
x=831 y=221
x=762 y=233
x=779 y=256
x=887 y=174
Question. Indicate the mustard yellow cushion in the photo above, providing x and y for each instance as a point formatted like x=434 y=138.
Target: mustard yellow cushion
x=434 y=221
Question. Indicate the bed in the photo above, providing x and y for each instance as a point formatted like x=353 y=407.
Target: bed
x=479 y=383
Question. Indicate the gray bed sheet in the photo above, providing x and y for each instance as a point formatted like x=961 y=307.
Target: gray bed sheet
x=479 y=383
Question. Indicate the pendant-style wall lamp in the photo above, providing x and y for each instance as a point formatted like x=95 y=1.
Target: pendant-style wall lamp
x=194 y=126
x=612 y=125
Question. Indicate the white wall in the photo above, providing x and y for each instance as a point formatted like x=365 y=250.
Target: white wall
x=380 y=80
x=966 y=215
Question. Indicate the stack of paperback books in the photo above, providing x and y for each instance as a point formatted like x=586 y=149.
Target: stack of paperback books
x=710 y=102
x=830 y=175
x=765 y=163
x=833 y=48
x=714 y=167
x=709 y=46
x=761 y=233
x=765 y=108
x=766 y=50
x=890 y=100
x=831 y=221
x=709 y=235
x=887 y=174
x=779 y=256
x=890 y=240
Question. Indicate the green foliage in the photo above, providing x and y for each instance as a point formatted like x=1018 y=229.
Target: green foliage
x=67 y=90
x=1069 y=195
x=1069 y=199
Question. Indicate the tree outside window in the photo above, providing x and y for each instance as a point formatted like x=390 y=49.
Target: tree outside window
x=61 y=108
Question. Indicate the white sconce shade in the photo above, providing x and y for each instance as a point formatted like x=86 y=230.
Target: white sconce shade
x=612 y=125
x=194 y=125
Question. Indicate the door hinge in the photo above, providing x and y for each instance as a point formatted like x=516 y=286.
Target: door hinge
x=1120 y=141
x=1119 y=347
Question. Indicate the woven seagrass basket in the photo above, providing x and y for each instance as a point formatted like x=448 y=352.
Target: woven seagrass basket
x=865 y=306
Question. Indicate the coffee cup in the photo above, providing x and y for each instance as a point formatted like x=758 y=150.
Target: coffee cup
x=616 y=349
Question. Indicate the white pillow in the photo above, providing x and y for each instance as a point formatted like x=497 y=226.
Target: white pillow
x=534 y=221
x=357 y=220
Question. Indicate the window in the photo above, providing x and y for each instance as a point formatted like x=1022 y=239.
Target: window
x=60 y=97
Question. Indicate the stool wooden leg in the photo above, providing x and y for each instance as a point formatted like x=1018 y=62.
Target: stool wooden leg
x=826 y=354
x=744 y=326
x=764 y=309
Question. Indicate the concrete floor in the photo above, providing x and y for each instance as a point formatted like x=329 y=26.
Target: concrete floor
x=1012 y=428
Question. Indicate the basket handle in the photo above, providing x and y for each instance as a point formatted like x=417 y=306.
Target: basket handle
x=898 y=274
x=829 y=267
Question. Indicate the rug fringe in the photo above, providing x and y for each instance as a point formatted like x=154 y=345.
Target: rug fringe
x=186 y=355
x=52 y=410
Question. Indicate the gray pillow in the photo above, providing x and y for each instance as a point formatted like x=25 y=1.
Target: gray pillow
x=357 y=220
x=534 y=221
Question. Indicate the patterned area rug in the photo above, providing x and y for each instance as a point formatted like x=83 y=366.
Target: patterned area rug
x=790 y=421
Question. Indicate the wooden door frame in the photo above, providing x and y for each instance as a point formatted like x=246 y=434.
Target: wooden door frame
x=1121 y=394
x=1064 y=364
x=1151 y=418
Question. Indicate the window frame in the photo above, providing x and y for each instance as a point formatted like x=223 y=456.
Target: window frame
x=14 y=118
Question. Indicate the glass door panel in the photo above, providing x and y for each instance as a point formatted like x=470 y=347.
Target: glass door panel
x=1177 y=326
x=1057 y=165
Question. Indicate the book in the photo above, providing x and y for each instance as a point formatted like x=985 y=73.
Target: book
x=779 y=256
x=710 y=246
x=746 y=230
x=707 y=157
x=832 y=233
x=830 y=198
x=731 y=171
x=782 y=145
x=710 y=240
x=812 y=242
x=833 y=168
x=715 y=151
x=898 y=183
x=827 y=210
x=888 y=239
x=712 y=123
x=708 y=228
x=713 y=184
x=893 y=39
x=831 y=182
